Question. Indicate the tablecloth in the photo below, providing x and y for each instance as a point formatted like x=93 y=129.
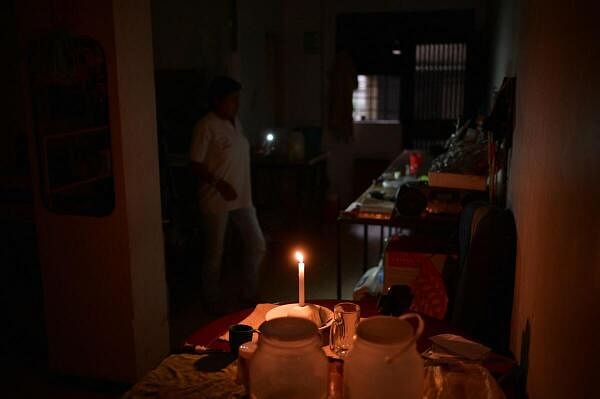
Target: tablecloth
x=214 y=377
x=190 y=377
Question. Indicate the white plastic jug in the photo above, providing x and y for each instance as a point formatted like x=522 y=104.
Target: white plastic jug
x=383 y=361
x=287 y=362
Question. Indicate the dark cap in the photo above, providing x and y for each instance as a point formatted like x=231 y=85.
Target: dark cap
x=222 y=86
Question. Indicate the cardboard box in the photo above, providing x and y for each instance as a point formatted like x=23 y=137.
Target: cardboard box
x=456 y=180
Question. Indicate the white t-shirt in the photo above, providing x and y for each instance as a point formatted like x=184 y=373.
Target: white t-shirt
x=224 y=149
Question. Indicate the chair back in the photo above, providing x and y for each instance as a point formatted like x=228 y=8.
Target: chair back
x=482 y=305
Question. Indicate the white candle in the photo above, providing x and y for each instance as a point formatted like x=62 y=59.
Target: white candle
x=300 y=259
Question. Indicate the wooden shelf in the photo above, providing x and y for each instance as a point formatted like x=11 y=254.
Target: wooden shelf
x=70 y=186
x=90 y=130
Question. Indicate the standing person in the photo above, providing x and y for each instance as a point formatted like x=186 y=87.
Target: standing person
x=220 y=157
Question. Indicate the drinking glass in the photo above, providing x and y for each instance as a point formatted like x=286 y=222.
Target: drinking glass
x=346 y=316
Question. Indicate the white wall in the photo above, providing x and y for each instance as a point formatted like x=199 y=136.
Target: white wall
x=303 y=71
x=371 y=141
x=135 y=82
x=257 y=19
x=296 y=98
x=192 y=35
x=203 y=31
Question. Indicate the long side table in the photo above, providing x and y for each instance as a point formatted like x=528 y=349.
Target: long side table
x=427 y=225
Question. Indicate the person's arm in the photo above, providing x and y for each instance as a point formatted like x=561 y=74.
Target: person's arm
x=206 y=177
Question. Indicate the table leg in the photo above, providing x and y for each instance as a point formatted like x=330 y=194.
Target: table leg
x=339 y=262
x=365 y=246
x=380 y=240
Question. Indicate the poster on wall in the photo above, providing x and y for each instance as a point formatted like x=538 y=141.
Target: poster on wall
x=68 y=86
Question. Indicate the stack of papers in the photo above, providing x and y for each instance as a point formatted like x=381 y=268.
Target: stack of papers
x=373 y=205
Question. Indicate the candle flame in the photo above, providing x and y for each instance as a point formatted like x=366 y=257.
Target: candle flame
x=299 y=256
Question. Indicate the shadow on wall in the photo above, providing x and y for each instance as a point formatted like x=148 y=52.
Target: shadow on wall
x=524 y=362
x=371 y=141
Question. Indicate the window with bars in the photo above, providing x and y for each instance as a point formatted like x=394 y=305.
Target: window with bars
x=439 y=81
x=377 y=98
x=439 y=87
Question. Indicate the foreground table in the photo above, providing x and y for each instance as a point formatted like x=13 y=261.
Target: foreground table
x=210 y=333
x=214 y=375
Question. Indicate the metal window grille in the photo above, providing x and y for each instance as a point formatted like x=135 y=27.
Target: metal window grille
x=439 y=81
x=377 y=98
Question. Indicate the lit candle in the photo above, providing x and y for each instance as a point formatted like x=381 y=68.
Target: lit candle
x=300 y=259
x=306 y=311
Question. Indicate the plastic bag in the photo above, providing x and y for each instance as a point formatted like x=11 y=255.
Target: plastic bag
x=370 y=283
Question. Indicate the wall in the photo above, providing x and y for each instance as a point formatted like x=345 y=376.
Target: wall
x=284 y=85
x=307 y=74
x=193 y=43
x=503 y=42
x=371 y=141
x=554 y=193
x=342 y=155
x=139 y=148
x=8 y=137
x=261 y=65
x=103 y=278
x=201 y=31
x=303 y=69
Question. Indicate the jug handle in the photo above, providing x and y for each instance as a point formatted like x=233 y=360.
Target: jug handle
x=416 y=335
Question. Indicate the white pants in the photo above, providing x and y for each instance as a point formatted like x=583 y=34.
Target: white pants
x=214 y=226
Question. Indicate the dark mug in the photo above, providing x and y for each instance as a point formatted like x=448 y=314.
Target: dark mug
x=238 y=334
x=396 y=302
